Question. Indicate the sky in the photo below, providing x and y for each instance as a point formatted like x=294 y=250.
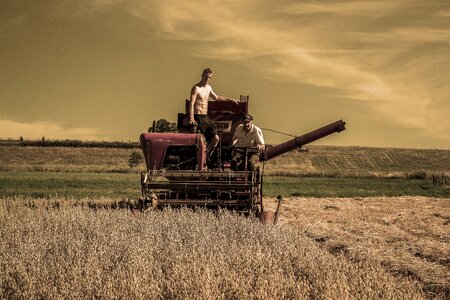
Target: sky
x=105 y=69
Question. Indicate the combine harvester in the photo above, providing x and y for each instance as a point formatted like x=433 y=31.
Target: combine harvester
x=179 y=174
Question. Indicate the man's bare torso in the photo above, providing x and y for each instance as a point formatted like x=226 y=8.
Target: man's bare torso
x=201 y=101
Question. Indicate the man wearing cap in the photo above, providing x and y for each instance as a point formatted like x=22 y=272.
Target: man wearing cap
x=198 y=108
x=249 y=139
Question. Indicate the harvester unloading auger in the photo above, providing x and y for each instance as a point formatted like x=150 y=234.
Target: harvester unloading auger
x=178 y=173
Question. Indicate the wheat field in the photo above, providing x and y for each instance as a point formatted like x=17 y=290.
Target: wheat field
x=321 y=249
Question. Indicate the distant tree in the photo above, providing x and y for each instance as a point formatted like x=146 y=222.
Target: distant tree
x=135 y=159
x=43 y=138
x=21 y=138
x=162 y=125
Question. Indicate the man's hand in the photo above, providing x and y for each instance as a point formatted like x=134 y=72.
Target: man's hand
x=235 y=101
x=192 y=122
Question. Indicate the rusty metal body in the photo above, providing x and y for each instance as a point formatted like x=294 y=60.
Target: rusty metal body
x=302 y=140
x=179 y=172
x=238 y=190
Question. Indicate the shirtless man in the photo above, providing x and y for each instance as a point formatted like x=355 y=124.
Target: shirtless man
x=198 y=108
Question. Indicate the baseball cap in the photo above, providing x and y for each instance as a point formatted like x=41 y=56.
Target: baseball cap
x=247 y=118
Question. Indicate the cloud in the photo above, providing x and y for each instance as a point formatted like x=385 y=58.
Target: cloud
x=390 y=55
x=49 y=130
x=343 y=8
x=351 y=47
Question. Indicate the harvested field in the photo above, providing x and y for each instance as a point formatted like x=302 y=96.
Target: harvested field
x=66 y=159
x=322 y=248
x=329 y=161
x=360 y=162
x=408 y=236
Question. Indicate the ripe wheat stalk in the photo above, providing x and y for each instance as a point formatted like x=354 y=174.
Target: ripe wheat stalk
x=71 y=251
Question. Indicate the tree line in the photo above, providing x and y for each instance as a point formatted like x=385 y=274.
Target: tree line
x=161 y=125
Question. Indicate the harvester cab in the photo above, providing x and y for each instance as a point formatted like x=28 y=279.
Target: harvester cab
x=179 y=173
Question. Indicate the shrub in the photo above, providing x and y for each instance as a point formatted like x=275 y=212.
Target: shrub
x=417 y=175
x=162 y=125
x=135 y=159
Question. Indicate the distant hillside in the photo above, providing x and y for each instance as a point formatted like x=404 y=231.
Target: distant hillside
x=318 y=160
x=65 y=159
x=67 y=143
x=360 y=161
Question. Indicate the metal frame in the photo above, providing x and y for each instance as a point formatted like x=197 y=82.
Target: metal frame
x=238 y=190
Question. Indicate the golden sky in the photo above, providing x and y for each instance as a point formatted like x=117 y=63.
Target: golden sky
x=104 y=69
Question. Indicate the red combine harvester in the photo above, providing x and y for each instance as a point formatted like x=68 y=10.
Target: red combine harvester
x=179 y=173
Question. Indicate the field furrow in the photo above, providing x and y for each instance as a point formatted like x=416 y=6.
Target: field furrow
x=403 y=234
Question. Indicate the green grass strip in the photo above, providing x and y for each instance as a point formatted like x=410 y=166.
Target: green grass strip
x=120 y=186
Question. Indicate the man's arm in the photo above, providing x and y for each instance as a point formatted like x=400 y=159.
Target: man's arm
x=222 y=98
x=194 y=93
x=259 y=139
x=235 y=138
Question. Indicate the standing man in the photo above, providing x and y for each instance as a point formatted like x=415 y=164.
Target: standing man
x=198 y=108
x=250 y=137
